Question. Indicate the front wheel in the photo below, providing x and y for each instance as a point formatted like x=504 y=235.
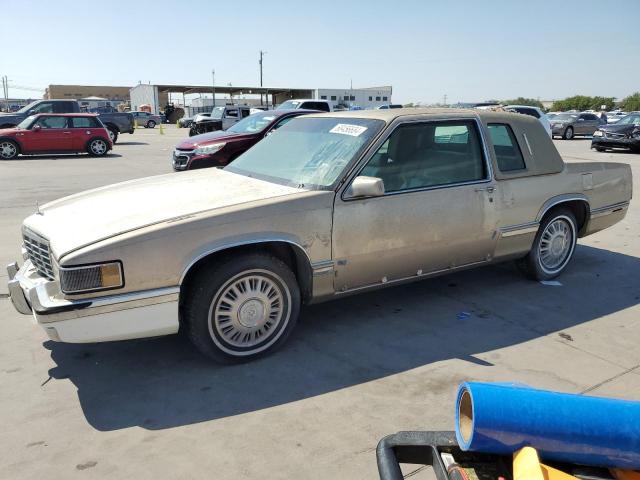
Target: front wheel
x=97 y=147
x=568 y=133
x=600 y=149
x=151 y=124
x=8 y=150
x=113 y=135
x=553 y=246
x=241 y=308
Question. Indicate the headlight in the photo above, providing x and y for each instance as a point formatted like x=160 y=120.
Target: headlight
x=635 y=134
x=90 y=278
x=597 y=133
x=209 y=149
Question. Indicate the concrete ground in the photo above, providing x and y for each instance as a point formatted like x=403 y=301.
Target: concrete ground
x=354 y=371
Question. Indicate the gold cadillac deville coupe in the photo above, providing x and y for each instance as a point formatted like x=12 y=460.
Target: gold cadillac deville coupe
x=330 y=205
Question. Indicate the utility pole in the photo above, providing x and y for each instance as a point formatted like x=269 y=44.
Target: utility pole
x=445 y=100
x=262 y=53
x=213 y=86
x=5 y=91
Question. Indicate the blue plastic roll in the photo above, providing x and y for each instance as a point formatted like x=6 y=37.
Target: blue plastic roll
x=502 y=418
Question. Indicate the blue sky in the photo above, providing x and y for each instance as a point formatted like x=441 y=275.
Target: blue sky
x=468 y=50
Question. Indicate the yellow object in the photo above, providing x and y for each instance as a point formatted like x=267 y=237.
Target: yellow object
x=161 y=129
x=621 y=474
x=178 y=123
x=135 y=123
x=527 y=466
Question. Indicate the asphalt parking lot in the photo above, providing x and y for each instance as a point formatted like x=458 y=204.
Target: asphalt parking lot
x=354 y=370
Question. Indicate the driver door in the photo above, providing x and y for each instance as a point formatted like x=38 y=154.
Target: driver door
x=437 y=212
x=53 y=135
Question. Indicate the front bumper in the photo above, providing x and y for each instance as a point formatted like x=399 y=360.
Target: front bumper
x=115 y=317
x=616 y=142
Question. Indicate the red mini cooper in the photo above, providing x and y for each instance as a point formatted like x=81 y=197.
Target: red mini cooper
x=55 y=133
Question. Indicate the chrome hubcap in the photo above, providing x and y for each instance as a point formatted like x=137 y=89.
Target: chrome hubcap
x=111 y=135
x=7 y=149
x=98 y=147
x=248 y=310
x=569 y=133
x=555 y=244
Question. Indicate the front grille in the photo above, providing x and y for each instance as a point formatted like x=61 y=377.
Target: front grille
x=39 y=253
x=614 y=135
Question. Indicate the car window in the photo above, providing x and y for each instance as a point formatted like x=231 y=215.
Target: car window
x=85 y=122
x=45 y=107
x=282 y=122
x=506 y=147
x=62 y=107
x=51 y=122
x=245 y=113
x=428 y=155
x=231 y=113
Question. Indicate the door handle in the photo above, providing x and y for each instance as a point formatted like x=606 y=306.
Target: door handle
x=67 y=133
x=489 y=189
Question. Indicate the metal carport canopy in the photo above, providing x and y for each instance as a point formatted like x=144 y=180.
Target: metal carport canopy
x=235 y=90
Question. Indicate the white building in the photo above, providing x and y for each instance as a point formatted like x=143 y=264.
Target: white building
x=366 y=98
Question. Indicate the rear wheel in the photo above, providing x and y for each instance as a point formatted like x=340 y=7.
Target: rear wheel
x=151 y=124
x=8 y=149
x=97 y=147
x=241 y=308
x=568 y=133
x=553 y=246
x=600 y=149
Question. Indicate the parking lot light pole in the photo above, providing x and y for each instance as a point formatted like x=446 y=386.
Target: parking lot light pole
x=262 y=53
x=213 y=86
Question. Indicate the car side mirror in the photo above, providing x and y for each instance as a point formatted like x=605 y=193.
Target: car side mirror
x=581 y=119
x=36 y=128
x=31 y=112
x=366 y=187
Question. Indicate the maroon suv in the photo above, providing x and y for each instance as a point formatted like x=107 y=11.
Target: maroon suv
x=217 y=149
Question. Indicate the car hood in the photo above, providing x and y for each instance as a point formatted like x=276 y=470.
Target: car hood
x=11 y=117
x=210 y=138
x=88 y=217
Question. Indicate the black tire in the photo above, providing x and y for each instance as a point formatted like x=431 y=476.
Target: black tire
x=535 y=267
x=97 y=147
x=600 y=149
x=151 y=124
x=9 y=150
x=210 y=294
x=113 y=135
x=568 y=133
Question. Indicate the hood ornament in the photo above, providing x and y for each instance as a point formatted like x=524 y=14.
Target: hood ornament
x=38 y=211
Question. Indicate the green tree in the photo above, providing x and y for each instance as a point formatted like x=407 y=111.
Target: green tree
x=631 y=103
x=582 y=102
x=531 y=102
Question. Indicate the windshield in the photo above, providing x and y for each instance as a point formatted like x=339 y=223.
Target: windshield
x=217 y=112
x=565 y=116
x=26 y=123
x=288 y=105
x=629 y=120
x=253 y=123
x=308 y=152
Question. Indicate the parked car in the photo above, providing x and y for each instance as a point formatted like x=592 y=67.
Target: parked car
x=330 y=205
x=55 y=133
x=220 y=118
x=217 y=149
x=534 y=112
x=116 y=123
x=307 y=104
x=186 y=122
x=625 y=133
x=568 y=125
x=613 y=117
x=391 y=105
x=146 y=119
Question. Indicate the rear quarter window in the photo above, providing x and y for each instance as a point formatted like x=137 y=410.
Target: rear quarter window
x=505 y=145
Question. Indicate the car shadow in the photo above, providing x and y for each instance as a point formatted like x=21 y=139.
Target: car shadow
x=65 y=156
x=130 y=143
x=162 y=383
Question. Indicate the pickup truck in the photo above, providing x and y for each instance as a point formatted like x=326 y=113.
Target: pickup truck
x=332 y=204
x=220 y=118
x=116 y=123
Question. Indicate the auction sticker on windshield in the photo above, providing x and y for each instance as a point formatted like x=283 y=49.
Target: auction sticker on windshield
x=346 y=129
